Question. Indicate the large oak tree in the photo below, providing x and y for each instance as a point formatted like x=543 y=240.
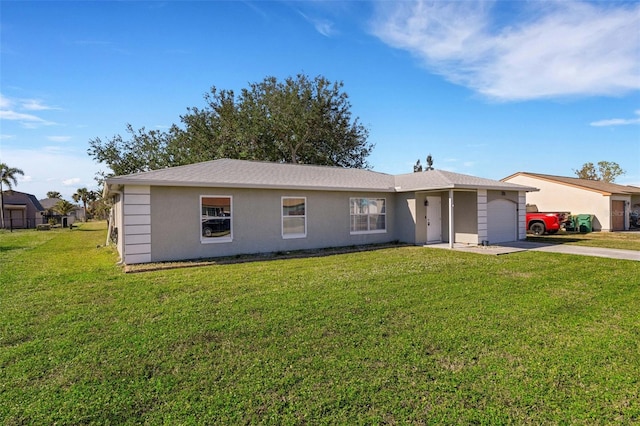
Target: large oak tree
x=298 y=120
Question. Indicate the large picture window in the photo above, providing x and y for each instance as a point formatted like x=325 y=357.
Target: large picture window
x=294 y=217
x=368 y=215
x=216 y=220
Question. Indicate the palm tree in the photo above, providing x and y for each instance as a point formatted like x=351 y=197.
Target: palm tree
x=8 y=176
x=86 y=196
x=54 y=194
x=63 y=207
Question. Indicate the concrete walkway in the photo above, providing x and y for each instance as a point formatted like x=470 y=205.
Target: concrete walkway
x=517 y=246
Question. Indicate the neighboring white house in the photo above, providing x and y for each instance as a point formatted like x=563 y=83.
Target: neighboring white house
x=229 y=207
x=608 y=202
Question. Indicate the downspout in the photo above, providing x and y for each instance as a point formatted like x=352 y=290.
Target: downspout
x=451 y=224
x=110 y=223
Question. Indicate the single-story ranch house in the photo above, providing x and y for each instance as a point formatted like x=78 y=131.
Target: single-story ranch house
x=228 y=207
x=609 y=203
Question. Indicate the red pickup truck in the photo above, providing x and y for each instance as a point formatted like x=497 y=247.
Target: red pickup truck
x=539 y=223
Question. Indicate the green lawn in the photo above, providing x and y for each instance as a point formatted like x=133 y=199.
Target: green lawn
x=397 y=335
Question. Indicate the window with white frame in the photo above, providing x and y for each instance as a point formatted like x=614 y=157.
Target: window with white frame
x=216 y=218
x=368 y=215
x=294 y=217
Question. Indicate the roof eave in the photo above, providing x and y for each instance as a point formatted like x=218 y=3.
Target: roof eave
x=246 y=186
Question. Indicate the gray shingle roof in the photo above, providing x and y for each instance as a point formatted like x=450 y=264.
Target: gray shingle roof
x=441 y=179
x=255 y=174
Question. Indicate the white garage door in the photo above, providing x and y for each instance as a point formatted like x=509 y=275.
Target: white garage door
x=502 y=221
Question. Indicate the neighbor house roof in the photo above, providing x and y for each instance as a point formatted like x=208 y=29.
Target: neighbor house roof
x=17 y=198
x=604 y=188
x=49 y=203
x=256 y=174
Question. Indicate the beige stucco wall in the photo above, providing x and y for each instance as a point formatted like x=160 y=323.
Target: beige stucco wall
x=176 y=222
x=555 y=197
x=465 y=217
x=407 y=212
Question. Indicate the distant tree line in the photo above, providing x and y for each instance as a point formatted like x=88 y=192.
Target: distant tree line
x=95 y=207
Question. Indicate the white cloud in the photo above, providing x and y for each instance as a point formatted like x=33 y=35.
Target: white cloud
x=29 y=121
x=561 y=49
x=5 y=102
x=18 y=116
x=59 y=138
x=617 y=121
x=35 y=105
x=71 y=181
x=26 y=120
x=323 y=26
x=11 y=110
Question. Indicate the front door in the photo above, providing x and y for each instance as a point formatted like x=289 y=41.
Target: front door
x=617 y=215
x=434 y=220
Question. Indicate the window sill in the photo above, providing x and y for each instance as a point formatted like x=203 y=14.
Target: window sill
x=379 y=231
x=293 y=236
x=215 y=240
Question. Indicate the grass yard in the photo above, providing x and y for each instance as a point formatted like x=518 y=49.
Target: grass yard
x=398 y=335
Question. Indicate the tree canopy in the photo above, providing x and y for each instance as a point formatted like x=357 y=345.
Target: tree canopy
x=54 y=194
x=418 y=167
x=86 y=196
x=607 y=171
x=63 y=207
x=298 y=120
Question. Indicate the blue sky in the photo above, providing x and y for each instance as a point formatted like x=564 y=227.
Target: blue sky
x=487 y=88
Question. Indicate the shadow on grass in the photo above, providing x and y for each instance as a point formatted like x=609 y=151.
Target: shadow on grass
x=259 y=257
x=561 y=239
x=3 y=249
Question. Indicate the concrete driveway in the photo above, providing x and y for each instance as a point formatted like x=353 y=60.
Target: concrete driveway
x=518 y=246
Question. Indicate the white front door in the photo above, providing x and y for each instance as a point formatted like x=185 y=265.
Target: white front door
x=434 y=220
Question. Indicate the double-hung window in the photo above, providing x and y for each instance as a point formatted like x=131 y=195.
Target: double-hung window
x=368 y=215
x=294 y=217
x=216 y=219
